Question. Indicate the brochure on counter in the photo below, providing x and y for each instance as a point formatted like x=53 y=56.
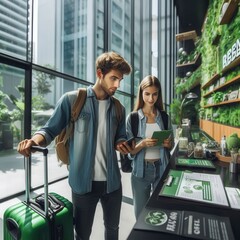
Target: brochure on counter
x=162 y=135
x=185 y=223
x=233 y=195
x=193 y=162
x=201 y=187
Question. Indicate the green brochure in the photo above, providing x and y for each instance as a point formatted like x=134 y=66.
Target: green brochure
x=195 y=186
x=193 y=162
x=162 y=135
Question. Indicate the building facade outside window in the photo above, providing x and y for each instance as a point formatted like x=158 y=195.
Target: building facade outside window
x=48 y=47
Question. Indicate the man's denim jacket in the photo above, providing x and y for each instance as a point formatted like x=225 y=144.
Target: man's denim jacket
x=83 y=142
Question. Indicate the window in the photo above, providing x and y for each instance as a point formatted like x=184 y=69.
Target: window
x=61 y=48
x=11 y=129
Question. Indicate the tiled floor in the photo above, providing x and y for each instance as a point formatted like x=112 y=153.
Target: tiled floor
x=127 y=218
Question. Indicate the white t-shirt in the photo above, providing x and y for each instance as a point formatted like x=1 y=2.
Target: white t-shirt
x=152 y=152
x=100 y=165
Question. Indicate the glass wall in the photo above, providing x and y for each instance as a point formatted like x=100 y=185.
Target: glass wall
x=167 y=29
x=44 y=98
x=11 y=128
x=154 y=37
x=120 y=29
x=49 y=47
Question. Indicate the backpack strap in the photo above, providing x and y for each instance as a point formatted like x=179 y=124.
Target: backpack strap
x=78 y=104
x=118 y=108
x=165 y=119
x=76 y=109
x=134 y=123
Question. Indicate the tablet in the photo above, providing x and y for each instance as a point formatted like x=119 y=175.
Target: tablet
x=162 y=135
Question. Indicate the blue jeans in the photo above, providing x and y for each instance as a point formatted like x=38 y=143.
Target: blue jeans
x=143 y=187
x=85 y=206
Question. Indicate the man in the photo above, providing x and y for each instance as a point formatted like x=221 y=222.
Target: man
x=93 y=171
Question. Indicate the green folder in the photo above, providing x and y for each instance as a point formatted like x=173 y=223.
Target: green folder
x=162 y=135
x=198 y=163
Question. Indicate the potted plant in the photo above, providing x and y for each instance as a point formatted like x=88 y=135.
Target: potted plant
x=175 y=112
x=233 y=143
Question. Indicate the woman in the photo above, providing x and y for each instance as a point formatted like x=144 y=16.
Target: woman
x=149 y=160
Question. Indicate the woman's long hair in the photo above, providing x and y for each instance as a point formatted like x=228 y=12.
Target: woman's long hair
x=149 y=81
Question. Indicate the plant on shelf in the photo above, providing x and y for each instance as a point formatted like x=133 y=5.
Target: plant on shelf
x=189 y=81
x=233 y=142
x=190 y=111
x=234 y=119
x=202 y=113
x=175 y=111
x=218 y=97
x=223 y=115
x=177 y=80
x=208 y=114
x=182 y=57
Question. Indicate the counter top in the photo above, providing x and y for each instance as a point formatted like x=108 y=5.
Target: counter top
x=156 y=201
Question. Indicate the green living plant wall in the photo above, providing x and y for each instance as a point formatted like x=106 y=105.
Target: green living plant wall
x=212 y=60
x=188 y=82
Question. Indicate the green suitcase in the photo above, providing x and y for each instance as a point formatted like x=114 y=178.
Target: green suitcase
x=45 y=217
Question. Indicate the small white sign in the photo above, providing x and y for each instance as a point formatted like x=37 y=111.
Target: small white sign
x=232 y=54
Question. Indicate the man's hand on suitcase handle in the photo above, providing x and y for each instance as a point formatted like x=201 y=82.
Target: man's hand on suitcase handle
x=24 y=147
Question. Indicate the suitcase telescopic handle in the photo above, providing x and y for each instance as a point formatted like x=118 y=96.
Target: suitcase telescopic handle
x=40 y=149
x=27 y=176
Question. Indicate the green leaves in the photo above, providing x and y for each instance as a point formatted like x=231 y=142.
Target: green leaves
x=218 y=97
